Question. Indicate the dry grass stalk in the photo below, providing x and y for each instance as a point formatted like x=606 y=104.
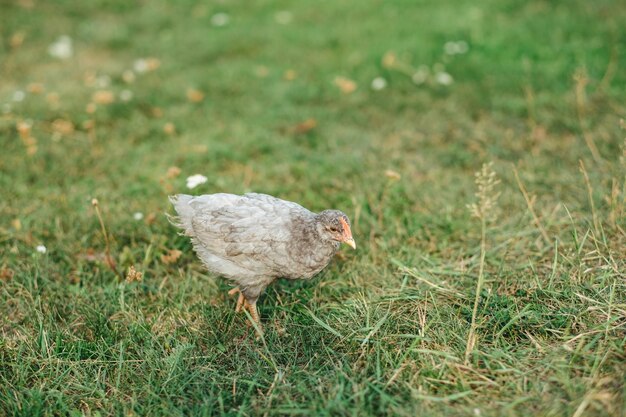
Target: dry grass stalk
x=529 y=203
x=594 y=215
x=581 y=80
x=485 y=210
x=107 y=254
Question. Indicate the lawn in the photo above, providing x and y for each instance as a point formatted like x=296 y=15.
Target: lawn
x=477 y=146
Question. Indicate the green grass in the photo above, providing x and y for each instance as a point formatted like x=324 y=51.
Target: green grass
x=382 y=331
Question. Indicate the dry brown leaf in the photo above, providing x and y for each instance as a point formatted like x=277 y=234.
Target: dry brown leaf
x=17 y=39
x=6 y=273
x=152 y=64
x=306 y=126
x=346 y=85
x=24 y=131
x=169 y=128
x=35 y=88
x=17 y=224
x=392 y=175
x=63 y=127
x=171 y=257
x=24 y=128
x=103 y=97
x=150 y=218
x=172 y=172
x=195 y=96
x=91 y=255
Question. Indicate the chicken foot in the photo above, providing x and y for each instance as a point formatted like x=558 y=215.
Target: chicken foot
x=242 y=302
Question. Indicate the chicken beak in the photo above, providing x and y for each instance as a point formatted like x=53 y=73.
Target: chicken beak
x=350 y=242
x=347 y=234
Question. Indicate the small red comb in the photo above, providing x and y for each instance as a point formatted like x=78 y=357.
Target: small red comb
x=346 y=227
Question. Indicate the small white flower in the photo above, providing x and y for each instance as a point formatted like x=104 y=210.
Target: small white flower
x=454 y=48
x=443 y=78
x=62 y=48
x=140 y=66
x=195 y=180
x=126 y=95
x=283 y=17
x=379 y=83
x=449 y=48
x=138 y=215
x=41 y=249
x=19 y=95
x=220 y=19
x=477 y=411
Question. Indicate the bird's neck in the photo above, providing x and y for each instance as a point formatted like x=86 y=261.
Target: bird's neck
x=309 y=247
x=309 y=233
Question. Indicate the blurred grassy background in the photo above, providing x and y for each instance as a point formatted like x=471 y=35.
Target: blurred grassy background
x=382 y=109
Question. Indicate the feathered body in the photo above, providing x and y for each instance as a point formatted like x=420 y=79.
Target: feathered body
x=254 y=239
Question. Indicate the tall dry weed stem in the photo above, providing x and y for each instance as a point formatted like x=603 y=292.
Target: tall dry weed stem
x=580 y=84
x=107 y=254
x=486 y=206
x=484 y=209
x=622 y=157
x=617 y=200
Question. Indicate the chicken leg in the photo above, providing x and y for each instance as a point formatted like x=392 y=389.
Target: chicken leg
x=242 y=302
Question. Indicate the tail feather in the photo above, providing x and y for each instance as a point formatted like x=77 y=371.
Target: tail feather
x=185 y=212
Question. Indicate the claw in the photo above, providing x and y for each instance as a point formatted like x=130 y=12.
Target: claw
x=240 y=300
x=253 y=311
x=243 y=303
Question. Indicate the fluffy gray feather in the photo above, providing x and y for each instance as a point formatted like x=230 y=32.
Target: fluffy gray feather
x=254 y=239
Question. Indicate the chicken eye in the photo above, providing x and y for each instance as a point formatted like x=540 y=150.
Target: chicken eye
x=333 y=229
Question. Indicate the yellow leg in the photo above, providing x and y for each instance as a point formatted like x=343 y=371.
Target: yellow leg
x=240 y=300
x=253 y=312
x=251 y=307
x=243 y=303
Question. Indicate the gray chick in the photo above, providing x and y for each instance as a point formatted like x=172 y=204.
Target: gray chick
x=253 y=239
